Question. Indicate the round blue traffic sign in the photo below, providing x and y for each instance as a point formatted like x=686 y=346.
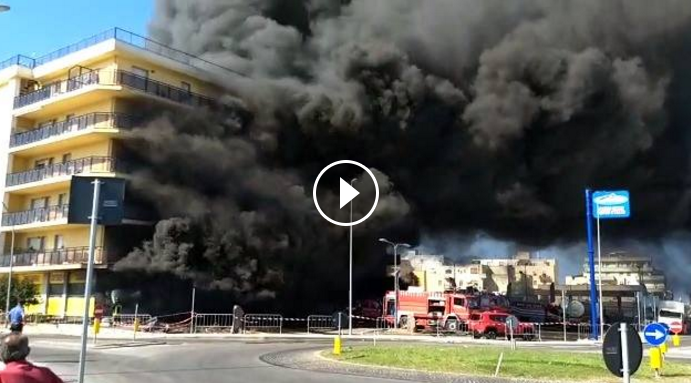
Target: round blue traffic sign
x=655 y=334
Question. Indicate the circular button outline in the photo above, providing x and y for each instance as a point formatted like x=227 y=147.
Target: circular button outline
x=316 y=183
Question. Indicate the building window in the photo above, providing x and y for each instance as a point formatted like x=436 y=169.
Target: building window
x=39 y=203
x=35 y=243
x=459 y=302
x=62 y=199
x=141 y=72
x=55 y=289
x=77 y=283
x=66 y=157
x=186 y=86
x=58 y=242
x=76 y=289
x=42 y=163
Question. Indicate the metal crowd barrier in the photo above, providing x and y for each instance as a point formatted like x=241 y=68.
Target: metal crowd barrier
x=263 y=323
x=213 y=322
x=126 y=320
x=320 y=323
x=382 y=323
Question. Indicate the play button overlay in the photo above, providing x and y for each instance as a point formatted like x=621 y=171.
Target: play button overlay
x=347 y=193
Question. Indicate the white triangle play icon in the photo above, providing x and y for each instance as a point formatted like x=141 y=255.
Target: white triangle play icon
x=347 y=193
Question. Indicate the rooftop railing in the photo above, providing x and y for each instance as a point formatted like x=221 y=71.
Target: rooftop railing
x=81 y=165
x=42 y=214
x=119 y=77
x=61 y=256
x=121 y=35
x=74 y=124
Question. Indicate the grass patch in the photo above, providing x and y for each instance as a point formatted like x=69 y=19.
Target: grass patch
x=522 y=363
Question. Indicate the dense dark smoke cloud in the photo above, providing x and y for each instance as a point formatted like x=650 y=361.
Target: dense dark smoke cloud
x=485 y=116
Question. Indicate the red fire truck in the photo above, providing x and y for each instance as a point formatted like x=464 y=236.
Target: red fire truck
x=446 y=310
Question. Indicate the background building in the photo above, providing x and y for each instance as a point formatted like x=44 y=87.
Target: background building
x=62 y=115
x=630 y=284
x=522 y=275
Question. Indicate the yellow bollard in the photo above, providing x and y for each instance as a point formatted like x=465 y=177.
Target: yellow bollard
x=663 y=348
x=676 y=340
x=97 y=326
x=337 y=345
x=136 y=324
x=656 y=360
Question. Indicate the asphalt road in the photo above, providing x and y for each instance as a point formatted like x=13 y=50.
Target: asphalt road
x=207 y=362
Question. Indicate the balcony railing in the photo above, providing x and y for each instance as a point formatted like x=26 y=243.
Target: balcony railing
x=20 y=60
x=119 y=77
x=62 y=256
x=121 y=35
x=93 y=120
x=77 y=166
x=43 y=214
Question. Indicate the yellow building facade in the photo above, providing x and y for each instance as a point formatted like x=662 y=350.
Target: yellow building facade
x=62 y=116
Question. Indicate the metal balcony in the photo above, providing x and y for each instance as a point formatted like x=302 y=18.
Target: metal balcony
x=123 y=36
x=113 y=78
x=75 y=124
x=44 y=214
x=81 y=165
x=62 y=256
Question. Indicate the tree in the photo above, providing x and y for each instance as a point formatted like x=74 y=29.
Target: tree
x=22 y=289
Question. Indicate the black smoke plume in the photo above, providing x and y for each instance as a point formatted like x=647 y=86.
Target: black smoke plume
x=487 y=116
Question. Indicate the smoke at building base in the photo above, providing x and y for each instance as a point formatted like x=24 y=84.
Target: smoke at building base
x=481 y=116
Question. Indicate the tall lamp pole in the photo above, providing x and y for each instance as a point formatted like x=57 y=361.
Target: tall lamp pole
x=395 y=273
x=350 y=266
x=9 y=276
x=5 y=8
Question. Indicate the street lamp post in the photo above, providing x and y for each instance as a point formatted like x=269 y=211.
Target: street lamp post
x=9 y=276
x=350 y=267
x=395 y=273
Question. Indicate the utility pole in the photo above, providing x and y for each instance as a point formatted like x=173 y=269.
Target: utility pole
x=194 y=296
x=89 y=277
x=395 y=272
x=350 y=269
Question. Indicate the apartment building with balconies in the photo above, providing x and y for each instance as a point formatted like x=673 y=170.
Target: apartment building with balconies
x=63 y=115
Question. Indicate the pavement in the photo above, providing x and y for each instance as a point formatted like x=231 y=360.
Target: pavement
x=209 y=362
x=230 y=358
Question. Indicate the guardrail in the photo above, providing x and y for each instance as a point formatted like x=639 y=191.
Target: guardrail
x=43 y=214
x=121 y=35
x=213 y=322
x=263 y=323
x=320 y=323
x=94 y=164
x=70 y=125
x=62 y=256
x=111 y=78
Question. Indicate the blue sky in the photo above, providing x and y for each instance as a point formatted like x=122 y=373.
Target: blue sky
x=37 y=27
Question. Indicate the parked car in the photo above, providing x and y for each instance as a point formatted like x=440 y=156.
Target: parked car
x=492 y=324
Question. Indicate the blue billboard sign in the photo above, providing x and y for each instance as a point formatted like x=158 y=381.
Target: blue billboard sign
x=611 y=204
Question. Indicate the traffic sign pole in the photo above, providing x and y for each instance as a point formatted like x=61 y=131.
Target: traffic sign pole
x=624 y=353
x=599 y=277
x=89 y=276
x=591 y=264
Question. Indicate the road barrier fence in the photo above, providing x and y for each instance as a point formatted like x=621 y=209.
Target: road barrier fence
x=320 y=324
x=185 y=322
x=263 y=323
